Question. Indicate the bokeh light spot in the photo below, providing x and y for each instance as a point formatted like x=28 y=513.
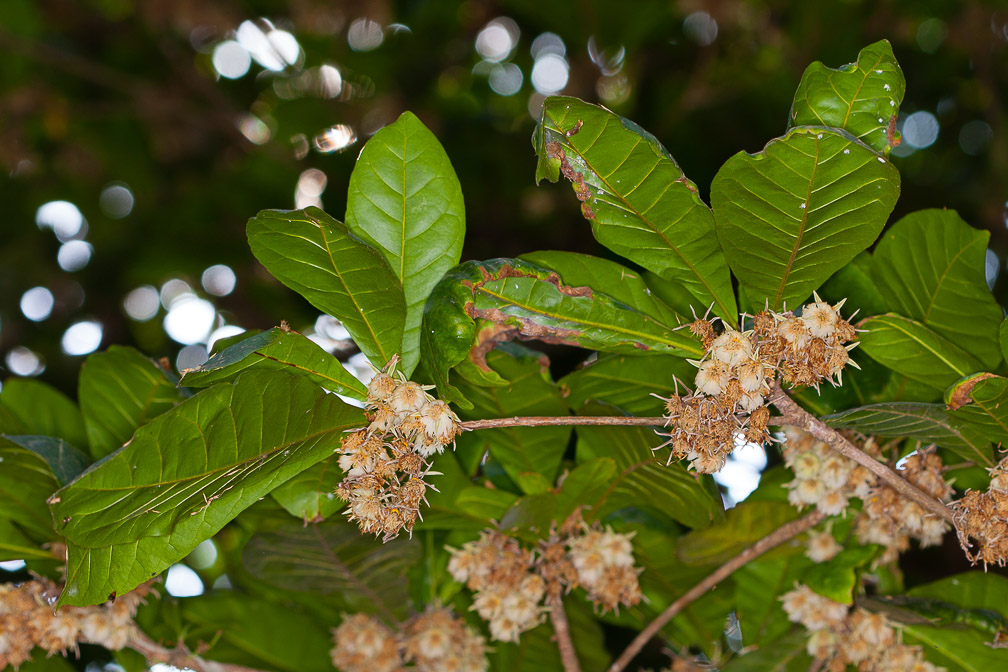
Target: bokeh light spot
x=37 y=303
x=506 y=79
x=974 y=136
x=63 y=217
x=254 y=129
x=23 y=362
x=73 y=255
x=82 y=338
x=920 y=129
x=364 y=35
x=190 y=357
x=218 y=280
x=930 y=35
x=701 y=28
x=189 y=319
x=496 y=41
x=172 y=290
x=182 y=581
x=116 y=201
x=231 y=60
x=548 y=43
x=226 y=331
x=550 y=73
x=335 y=139
x=992 y=267
x=142 y=303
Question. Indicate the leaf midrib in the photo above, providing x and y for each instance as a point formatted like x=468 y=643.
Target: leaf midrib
x=801 y=228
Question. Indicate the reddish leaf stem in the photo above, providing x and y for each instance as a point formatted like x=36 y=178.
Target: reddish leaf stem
x=551 y=421
x=568 y=656
x=179 y=657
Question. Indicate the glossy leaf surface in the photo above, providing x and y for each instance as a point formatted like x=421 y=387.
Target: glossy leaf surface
x=405 y=199
x=639 y=202
x=794 y=214
x=317 y=257
x=980 y=404
x=33 y=407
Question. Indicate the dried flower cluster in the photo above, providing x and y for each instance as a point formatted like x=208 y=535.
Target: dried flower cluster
x=828 y=480
x=890 y=520
x=842 y=637
x=434 y=641
x=735 y=375
x=28 y=619
x=983 y=515
x=386 y=462
x=823 y=477
x=510 y=582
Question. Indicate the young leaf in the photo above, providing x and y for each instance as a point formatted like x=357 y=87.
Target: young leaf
x=279 y=350
x=928 y=423
x=317 y=257
x=912 y=349
x=332 y=559
x=794 y=214
x=119 y=390
x=187 y=473
x=980 y=404
x=860 y=98
x=636 y=197
x=929 y=266
x=405 y=199
x=38 y=408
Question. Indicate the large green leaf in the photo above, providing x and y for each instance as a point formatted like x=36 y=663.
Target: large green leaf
x=743 y=526
x=333 y=559
x=15 y=544
x=249 y=631
x=65 y=461
x=187 y=473
x=311 y=495
x=643 y=481
x=786 y=654
x=859 y=97
x=908 y=347
x=119 y=390
x=405 y=199
x=854 y=283
x=639 y=202
x=758 y=587
x=526 y=301
x=794 y=214
x=929 y=423
x=26 y=481
x=282 y=350
x=37 y=408
x=957 y=648
x=979 y=404
x=530 y=391
x=627 y=382
x=316 y=256
x=930 y=267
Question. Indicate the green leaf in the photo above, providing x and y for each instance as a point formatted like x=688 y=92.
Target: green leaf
x=929 y=266
x=15 y=545
x=638 y=200
x=530 y=516
x=743 y=525
x=42 y=410
x=279 y=350
x=970 y=590
x=758 y=587
x=1003 y=338
x=250 y=631
x=854 y=283
x=65 y=461
x=317 y=257
x=643 y=481
x=587 y=482
x=333 y=559
x=628 y=383
x=797 y=212
x=26 y=482
x=928 y=423
x=187 y=473
x=980 y=404
x=536 y=650
x=405 y=199
x=859 y=97
x=912 y=349
x=837 y=578
x=787 y=654
x=957 y=648
x=311 y=495
x=119 y=390
x=530 y=391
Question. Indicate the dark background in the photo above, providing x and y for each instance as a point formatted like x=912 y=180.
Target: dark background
x=98 y=93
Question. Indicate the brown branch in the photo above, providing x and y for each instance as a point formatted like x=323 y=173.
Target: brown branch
x=793 y=414
x=179 y=657
x=562 y=629
x=551 y=421
x=775 y=538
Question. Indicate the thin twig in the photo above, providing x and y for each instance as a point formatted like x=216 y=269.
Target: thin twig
x=562 y=629
x=552 y=421
x=179 y=657
x=775 y=538
x=793 y=414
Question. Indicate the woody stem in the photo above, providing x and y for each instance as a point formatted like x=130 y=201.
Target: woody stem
x=552 y=421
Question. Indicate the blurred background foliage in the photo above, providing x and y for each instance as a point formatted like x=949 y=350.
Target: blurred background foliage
x=138 y=136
